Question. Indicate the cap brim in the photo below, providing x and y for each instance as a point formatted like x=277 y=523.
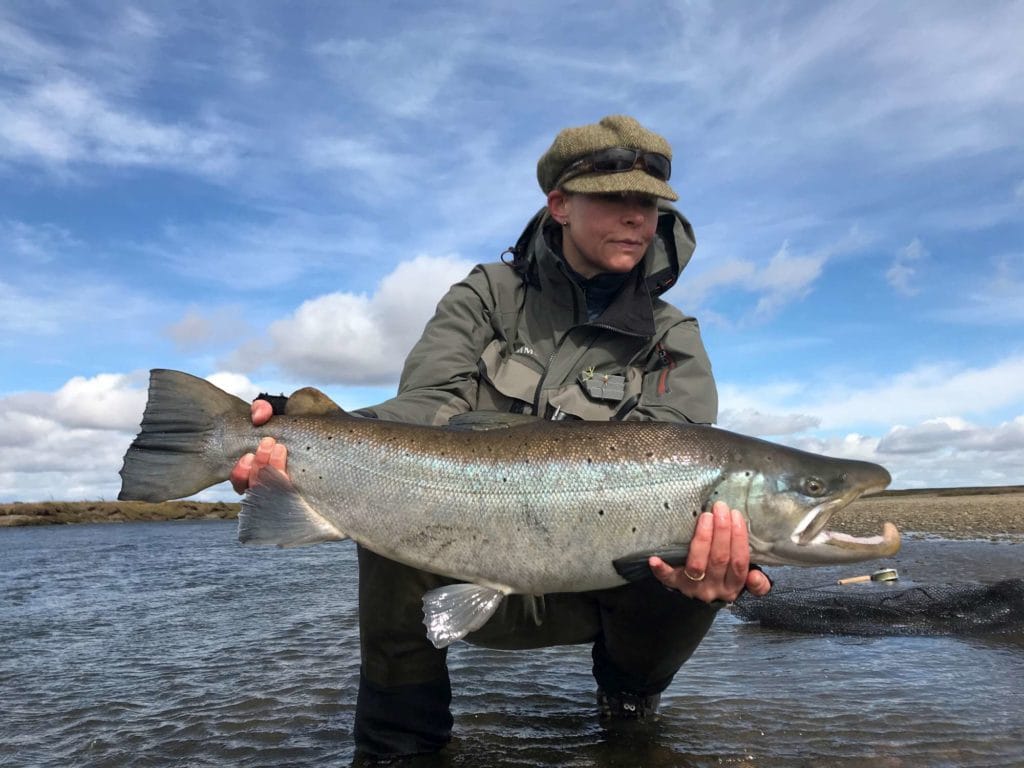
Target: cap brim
x=637 y=181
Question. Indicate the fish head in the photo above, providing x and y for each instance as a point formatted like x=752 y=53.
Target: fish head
x=788 y=497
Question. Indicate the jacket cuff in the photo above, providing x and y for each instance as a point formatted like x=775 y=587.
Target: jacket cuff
x=277 y=402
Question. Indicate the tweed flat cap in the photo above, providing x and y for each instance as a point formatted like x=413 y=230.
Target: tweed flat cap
x=612 y=131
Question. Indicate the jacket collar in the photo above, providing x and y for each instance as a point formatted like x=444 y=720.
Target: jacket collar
x=537 y=257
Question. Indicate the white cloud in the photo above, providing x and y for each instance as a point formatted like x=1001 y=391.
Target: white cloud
x=749 y=421
x=54 y=305
x=107 y=401
x=785 y=278
x=945 y=434
x=768 y=63
x=994 y=300
x=66 y=122
x=404 y=74
x=902 y=271
x=34 y=243
x=922 y=392
x=356 y=338
x=200 y=328
x=69 y=444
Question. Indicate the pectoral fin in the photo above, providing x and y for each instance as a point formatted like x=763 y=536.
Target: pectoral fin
x=273 y=512
x=450 y=613
x=634 y=567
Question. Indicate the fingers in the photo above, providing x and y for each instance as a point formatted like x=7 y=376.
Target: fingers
x=739 y=553
x=700 y=546
x=758 y=584
x=261 y=412
x=269 y=453
x=240 y=473
x=718 y=562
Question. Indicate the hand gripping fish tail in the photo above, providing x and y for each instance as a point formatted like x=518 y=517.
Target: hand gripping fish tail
x=504 y=503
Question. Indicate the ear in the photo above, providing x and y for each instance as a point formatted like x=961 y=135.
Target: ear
x=559 y=205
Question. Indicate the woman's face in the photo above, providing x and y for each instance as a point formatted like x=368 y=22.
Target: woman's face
x=605 y=233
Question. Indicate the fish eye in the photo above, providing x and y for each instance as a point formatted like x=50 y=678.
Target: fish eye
x=814 y=486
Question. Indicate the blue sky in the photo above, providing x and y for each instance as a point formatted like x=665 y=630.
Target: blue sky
x=276 y=194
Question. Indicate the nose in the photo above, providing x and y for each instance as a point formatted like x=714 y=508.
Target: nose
x=635 y=212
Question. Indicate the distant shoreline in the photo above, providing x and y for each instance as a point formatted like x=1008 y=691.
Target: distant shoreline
x=960 y=513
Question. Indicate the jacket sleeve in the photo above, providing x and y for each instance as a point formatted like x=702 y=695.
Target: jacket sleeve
x=440 y=375
x=678 y=383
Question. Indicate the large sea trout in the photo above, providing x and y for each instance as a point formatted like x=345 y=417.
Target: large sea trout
x=504 y=503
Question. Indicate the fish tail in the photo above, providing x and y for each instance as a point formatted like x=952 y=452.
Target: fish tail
x=177 y=451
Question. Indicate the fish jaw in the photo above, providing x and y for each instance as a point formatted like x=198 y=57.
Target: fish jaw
x=828 y=548
x=797 y=533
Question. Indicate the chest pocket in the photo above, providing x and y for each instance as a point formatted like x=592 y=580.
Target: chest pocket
x=513 y=384
x=507 y=384
x=572 y=398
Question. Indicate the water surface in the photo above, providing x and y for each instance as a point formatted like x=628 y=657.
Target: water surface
x=158 y=644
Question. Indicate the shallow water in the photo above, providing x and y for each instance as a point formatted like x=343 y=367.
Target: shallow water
x=170 y=644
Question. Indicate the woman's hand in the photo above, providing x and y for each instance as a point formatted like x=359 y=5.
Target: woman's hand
x=718 y=564
x=270 y=453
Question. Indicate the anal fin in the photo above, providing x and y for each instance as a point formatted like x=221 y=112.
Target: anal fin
x=275 y=513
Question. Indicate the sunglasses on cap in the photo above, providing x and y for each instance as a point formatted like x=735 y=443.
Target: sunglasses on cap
x=618 y=160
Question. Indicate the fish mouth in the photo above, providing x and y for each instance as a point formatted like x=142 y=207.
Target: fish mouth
x=812 y=542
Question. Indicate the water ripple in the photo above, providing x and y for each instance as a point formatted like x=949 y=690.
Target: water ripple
x=169 y=644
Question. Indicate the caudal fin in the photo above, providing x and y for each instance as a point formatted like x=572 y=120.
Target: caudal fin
x=177 y=451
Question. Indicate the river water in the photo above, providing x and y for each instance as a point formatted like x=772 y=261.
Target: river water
x=169 y=644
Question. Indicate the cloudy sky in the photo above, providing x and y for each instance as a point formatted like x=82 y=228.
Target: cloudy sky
x=276 y=194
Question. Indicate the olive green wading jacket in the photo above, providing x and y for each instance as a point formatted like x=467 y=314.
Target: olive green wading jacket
x=516 y=338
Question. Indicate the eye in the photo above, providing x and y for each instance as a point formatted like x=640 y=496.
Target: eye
x=814 y=487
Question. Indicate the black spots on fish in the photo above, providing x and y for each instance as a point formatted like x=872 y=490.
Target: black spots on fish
x=634 y=529
x=589 y=460
x=696 y=513
x=650 y=454
x=600 y=513
x=666 y=505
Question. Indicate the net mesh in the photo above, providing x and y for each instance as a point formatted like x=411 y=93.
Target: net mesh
x=884 y=609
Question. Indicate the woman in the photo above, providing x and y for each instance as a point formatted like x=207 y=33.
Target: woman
x=570 y=327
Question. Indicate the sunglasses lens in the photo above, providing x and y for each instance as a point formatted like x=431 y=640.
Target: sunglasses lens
x=618 y=160
x=615 y=160
x=659 y=166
